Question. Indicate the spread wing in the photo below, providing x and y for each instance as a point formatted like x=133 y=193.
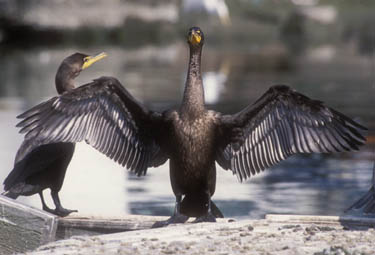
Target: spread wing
x=103 y=114
x=279 y=124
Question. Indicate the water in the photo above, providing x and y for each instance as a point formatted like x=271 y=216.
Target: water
x=303 y=184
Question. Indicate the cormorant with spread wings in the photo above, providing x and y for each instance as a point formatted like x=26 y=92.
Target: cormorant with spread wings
x=37 y=168
x=279 y=124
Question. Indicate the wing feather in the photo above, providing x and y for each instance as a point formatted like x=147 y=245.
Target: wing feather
x=281 y=123
x=103 y=114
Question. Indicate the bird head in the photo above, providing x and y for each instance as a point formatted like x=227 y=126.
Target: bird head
x=195 y=37
x=71 y=67
x=79 y=61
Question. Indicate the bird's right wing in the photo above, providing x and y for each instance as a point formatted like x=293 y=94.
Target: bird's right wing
x=281 y=123
x=106 y=116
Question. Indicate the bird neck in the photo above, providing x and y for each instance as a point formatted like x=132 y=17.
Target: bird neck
x=64 y=80
x=193 y=100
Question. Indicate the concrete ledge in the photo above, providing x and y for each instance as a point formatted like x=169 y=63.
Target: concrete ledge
x=89 y=226
x=24 y=228
x=241 y=237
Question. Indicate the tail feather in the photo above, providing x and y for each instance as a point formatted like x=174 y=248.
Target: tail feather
x=196 y=206
x=15 y=175
x=365 y=204
x=10 y=194
x=216 y=211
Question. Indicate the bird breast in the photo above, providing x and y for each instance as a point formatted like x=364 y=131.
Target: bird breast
x=194 y=140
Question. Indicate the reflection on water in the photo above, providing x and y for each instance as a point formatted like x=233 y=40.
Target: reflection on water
x=317 y=184
x=301 y=185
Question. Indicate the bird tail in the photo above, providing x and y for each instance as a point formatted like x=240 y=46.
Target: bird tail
x=216 y=211
x=196 y=206
x=14 y=175
x=10 y=194
x=365 y=204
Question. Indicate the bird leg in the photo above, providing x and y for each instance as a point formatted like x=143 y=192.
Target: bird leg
x=44 y=205
x=177 y=217
x=60 y=211
x=208 y=217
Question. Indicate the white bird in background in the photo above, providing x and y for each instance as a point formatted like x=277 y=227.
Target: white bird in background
x=213 y=7
x=305 y=2
x=215 y=83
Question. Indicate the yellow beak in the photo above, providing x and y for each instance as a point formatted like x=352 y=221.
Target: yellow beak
x=195 y=38
x=88 y=61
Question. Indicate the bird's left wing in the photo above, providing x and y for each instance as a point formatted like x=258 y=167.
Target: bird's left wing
x=106 y=116
x=281 y=123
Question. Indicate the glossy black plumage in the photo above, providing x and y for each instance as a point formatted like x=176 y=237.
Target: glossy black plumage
x=281 y=123
x=40 y=166
x=103 y=114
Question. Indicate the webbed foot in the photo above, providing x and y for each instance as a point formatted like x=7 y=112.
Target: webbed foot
x=62 y=212
x=175 y=219
x=208 y=217
x=59 y=211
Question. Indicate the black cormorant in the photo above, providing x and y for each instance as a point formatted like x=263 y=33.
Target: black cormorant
x=40 y=167
x=280 y=123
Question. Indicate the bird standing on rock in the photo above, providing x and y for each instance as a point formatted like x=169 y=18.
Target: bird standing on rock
x=37 y=168
x=279 y=124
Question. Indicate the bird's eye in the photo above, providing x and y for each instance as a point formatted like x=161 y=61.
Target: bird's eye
x=198 y=32
x=86 y=59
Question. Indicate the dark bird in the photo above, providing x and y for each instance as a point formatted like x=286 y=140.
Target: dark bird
x=280 y=123
x=366 y=204
x=40 y=166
